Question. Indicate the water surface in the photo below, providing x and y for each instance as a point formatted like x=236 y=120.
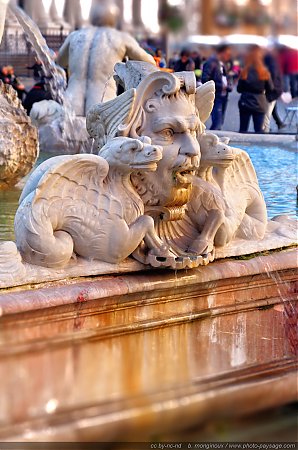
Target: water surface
x=9 y=200
x=277 y=171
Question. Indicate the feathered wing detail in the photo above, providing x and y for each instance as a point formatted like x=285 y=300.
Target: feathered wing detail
x=242 y=172
x=104 y=119
x=75 y=176
x=37 y=174
x=244 y=197
x=205 y=95
x=65 y=207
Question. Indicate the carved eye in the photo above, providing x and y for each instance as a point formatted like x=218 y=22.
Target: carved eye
x=167 y=133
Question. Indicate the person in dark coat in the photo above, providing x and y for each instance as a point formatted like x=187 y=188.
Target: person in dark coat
x=16 y=83
x=214 y=69
x=38 y=72
x=36 y=94
x=255 y=85
x=272 y=65
x=184 y=63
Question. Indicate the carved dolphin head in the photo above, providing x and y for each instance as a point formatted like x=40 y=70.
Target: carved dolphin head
x=215 y=151
x=129 y=155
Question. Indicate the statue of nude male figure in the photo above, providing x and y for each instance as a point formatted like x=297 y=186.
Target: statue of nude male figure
x=90 y=55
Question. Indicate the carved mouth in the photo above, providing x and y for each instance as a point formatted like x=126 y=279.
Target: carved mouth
x=150 y=166
x=226 y=159
x=184 y=177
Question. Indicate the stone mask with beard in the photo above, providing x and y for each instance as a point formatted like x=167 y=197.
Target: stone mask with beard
x=170 y=185
x=164 y=107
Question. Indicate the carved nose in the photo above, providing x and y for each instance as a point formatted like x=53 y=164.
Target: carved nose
x=189 y=146
x=226 y=152
x=153 y=151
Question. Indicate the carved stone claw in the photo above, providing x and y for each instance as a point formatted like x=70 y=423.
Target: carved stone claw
x=201 y=247
x=179 y=262
x=163 y=251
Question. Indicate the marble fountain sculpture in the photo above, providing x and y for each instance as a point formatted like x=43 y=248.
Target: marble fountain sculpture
x=100 y=339
x=19 y=147
x=161 y=190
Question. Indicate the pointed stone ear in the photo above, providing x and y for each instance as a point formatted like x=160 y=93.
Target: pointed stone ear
x=205 y=95
x=210 y=139
x=225 y=140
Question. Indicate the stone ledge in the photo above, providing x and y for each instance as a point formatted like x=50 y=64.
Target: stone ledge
x=249 y=138
x=76 y=291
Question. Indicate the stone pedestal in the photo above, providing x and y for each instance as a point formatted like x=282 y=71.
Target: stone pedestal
x=130 y=356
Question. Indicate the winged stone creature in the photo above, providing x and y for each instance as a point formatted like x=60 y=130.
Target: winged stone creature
x=86 y=204
x=226 y=201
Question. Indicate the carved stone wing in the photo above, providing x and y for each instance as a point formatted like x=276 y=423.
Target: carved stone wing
x=79 y=177
x=205 y=95
x=104 y=119
x=242 y=171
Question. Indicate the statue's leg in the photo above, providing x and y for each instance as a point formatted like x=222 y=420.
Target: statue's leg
x=254 y=220
x=143 y=229
x=205 y=242
x=129 y=237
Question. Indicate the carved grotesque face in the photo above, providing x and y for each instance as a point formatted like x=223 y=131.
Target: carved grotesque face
x=172 y=123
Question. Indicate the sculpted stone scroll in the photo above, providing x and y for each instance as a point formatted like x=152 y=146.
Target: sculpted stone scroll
x=160 y=189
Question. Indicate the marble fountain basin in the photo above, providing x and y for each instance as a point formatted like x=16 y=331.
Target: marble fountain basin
x=131 y=356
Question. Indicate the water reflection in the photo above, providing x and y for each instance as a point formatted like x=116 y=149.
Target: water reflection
x=9 y=200
x=276 y=169
x=8 y=205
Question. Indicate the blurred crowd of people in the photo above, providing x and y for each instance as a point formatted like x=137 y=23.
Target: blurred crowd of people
x=8 y=76
x=261 y=76
x=28 y=97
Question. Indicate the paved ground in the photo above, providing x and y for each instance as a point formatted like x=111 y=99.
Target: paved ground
x=232 y=116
